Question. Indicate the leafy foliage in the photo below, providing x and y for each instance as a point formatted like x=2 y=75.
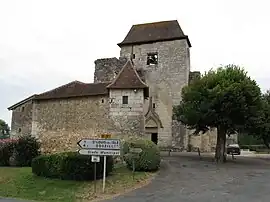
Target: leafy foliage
x=226 y=99
x=69 y=166
x=21 y=151
x=148 y=160
x=4 y=130
x=246 y=139
x=260 y=127
x=6 y=151
x=26 y=148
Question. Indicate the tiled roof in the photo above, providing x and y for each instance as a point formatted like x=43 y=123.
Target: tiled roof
x=153 y=32
x=127 y=78
x=74 y=89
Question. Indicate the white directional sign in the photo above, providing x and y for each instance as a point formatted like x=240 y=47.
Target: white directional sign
x=99 y=144
x=99 y=152
x=95 y=159
x=135 y=150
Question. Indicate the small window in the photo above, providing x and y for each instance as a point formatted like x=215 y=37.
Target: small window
x=152 y=58
x=125 y=100
x=102 y=101
x=133 y=56
x=22 y=109
x=114 y=74
x=154 y=105
x=19 y=130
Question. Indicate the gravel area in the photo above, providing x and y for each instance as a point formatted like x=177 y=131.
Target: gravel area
x=187 y=178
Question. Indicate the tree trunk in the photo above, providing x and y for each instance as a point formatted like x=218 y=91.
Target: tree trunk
x=220 y=154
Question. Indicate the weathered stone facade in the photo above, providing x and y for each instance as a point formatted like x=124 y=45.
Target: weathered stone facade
x=131 y=96
x=128 y=117
x=165 y=80
x=22 y=119
x=61 y=123
x=205 y=142
x=106 y=69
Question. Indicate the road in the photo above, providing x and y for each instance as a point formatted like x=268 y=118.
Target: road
x=186 y=178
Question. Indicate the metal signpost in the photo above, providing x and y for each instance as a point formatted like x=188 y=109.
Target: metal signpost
x=95 y=160
x=134 y=151
x=100 y=147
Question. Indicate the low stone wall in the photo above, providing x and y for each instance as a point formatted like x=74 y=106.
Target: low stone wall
x=205 y=142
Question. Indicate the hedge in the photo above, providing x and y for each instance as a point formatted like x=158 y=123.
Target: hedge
x=69 y=166
x=148 y=160
x=256 y=148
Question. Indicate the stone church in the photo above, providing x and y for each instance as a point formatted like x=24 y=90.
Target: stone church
x=132 y=95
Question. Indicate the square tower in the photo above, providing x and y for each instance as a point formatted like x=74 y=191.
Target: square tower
x=161 y=51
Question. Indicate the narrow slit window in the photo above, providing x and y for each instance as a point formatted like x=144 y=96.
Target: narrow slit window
x=102 y=101
x=154 y=105
x=152 y=58
x=19 y=130
x=125 y=100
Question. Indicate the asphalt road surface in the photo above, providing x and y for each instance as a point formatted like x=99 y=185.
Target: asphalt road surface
x=186 y=178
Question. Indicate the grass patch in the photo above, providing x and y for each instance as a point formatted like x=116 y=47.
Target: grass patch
x=21 y=183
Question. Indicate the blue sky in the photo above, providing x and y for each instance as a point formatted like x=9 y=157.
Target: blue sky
x=44 y=44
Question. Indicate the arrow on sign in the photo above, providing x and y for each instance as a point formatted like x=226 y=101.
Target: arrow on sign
x=99 y=144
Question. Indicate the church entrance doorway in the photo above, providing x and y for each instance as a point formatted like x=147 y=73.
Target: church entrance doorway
x=154 y=138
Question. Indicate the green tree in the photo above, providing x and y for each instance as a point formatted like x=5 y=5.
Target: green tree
x=226 y=99
x=4 y=129
x=260 y=128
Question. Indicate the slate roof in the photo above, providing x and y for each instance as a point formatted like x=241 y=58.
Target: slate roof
x=127 y=78
x=74 y=89
x=154 y=32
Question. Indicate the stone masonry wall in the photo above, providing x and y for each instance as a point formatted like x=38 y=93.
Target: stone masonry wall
x=21 y=122
x=60 y=124
x=166 y=79
x=128 y=118
x=179 y=137
x=206 y=142
x=107 y=68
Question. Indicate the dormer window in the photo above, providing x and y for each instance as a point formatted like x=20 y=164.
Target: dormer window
x=125 y=100
x=152 y=59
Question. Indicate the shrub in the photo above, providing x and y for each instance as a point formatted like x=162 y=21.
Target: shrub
x=6 y=151
x=257 y=148
x=18 y=152
x=148 y=160
x=26 y=148
x=69 y=166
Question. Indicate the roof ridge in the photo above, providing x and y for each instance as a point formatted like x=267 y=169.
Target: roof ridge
x=156 y=22
x=138 y=75
x=152 y=32
x=129 y=62
x=22 y=101
x=75 y=81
